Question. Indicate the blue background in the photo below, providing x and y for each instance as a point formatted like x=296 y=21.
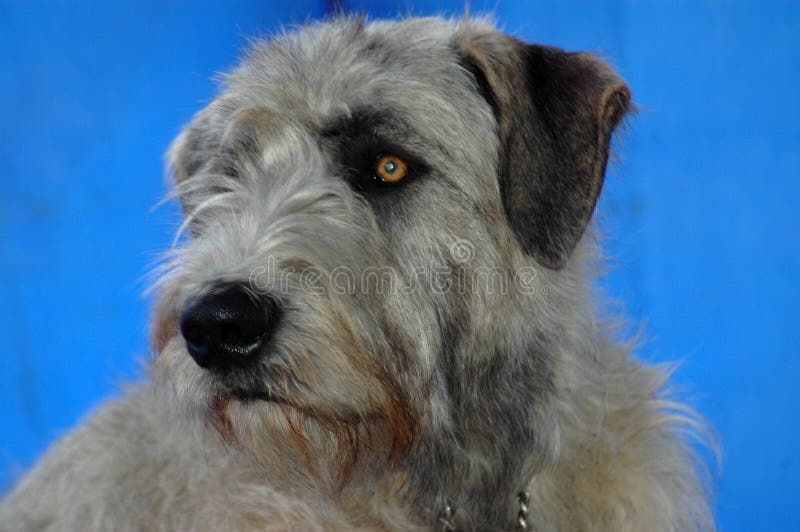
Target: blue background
x=701 y=209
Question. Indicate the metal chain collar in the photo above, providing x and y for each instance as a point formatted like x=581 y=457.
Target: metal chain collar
x=523 y=499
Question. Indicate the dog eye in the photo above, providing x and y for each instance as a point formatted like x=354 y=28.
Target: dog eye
x=390 y=168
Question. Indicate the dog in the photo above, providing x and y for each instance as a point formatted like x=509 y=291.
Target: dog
x=378 y=313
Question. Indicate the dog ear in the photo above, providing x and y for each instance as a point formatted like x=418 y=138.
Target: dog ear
x=191 y=148
x=556 y=112
x=190 y=152
x=216 y=141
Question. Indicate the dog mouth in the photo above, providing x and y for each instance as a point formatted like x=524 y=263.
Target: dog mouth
x=259 y=385
x=253 y=396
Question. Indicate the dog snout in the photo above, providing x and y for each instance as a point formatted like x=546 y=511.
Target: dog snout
x=228 y=326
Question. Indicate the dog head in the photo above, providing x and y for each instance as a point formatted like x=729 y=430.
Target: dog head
x=382 y=244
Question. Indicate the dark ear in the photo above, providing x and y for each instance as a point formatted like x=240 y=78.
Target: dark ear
x=556 y=112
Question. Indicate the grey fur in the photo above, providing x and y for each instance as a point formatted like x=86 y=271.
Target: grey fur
x=400 y=397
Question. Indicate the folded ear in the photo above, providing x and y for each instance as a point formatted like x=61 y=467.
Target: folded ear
x=192 y=148
x=556 y=112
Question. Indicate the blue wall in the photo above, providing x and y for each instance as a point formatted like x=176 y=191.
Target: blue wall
x=701 y=211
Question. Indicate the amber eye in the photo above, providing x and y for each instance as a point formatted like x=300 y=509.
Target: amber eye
x=390 y=168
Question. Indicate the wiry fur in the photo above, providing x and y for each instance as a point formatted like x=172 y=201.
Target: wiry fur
x=400 y=397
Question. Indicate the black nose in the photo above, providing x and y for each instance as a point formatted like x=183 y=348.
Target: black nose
x=228 y=326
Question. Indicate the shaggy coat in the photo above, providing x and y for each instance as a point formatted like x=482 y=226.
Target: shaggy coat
x=438 y=345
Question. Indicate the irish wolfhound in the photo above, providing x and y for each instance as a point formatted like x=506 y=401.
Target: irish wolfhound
x=378 y=314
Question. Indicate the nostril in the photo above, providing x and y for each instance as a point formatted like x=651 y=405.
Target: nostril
x=194 y=332
x=227 y=326
x=191 y=333
x=240 y=337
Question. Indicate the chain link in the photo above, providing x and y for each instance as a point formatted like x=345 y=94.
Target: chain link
x=446 y=517
x=523 y=500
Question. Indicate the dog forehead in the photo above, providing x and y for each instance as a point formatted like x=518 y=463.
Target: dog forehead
x=332 y=68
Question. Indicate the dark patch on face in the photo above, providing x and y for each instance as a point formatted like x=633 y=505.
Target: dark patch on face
x=358 y=141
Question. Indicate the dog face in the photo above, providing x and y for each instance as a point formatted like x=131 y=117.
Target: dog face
x=363 y=203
